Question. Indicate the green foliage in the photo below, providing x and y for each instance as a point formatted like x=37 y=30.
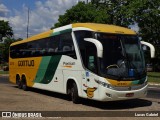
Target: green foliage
x=147 y=14
x=83 y=13
x=5 y=29
x=115 y=9
x=4 y=48
x=153 y=77
x=4 y=72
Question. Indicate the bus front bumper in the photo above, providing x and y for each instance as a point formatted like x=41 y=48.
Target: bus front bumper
x=114 y=95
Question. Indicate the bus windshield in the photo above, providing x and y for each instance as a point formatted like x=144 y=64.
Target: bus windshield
x=122 y=56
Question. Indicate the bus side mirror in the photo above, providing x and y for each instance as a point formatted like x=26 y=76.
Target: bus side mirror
x=98 y=46
x=152 y=49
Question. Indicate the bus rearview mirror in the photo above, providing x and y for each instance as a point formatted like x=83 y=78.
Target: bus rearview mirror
x=152 y=49
x=98 y=46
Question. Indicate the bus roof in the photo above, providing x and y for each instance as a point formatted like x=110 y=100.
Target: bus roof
x=105 y=28
x=35 y=37
x=92 y=26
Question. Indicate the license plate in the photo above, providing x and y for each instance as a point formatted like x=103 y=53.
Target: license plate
x=129 y=94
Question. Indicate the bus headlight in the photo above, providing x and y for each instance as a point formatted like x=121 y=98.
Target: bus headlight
x=104 y=84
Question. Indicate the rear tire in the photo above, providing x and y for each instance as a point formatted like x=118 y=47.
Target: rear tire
x=24 y=84
x=24 y=87
x=19 y=85
x=18 y=82
x=74 y=94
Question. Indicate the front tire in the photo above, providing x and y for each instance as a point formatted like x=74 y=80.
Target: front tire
x=74 y=94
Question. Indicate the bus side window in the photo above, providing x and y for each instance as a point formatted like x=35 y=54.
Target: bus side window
x=66 y=45
x=91 y=57
x=91 y=63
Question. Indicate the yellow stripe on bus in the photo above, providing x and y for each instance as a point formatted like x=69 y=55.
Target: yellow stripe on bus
x=104 y=28
x=119 y=83
x=25 y=66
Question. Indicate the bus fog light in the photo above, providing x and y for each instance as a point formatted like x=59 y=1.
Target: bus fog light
x=109 y=95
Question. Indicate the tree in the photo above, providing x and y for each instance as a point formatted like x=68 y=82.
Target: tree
x=5 y=29
x=147 y=14
x=115 y=9
x=83 y=13
x=4 y=48
x=6 y=45
x=6 y=34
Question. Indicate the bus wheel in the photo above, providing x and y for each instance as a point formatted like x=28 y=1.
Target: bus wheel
x=20 y=85
x=18 y=82
x=24 y=84
x=74 y=94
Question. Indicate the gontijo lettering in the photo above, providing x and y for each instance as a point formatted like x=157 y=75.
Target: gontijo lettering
x=26 y=63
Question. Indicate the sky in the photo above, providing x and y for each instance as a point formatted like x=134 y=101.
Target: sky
x=43 y=14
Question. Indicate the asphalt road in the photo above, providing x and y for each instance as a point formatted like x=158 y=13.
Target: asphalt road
x=11 y=98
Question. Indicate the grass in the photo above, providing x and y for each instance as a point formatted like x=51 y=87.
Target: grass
x=154 y=77
x=4 y=72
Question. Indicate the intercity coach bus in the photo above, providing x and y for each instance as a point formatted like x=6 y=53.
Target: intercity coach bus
x=84 y=60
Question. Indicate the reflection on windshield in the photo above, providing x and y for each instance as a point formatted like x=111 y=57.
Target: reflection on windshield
x=133 y=52
x=122 y=55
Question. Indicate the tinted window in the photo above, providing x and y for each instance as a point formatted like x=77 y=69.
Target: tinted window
x=87 y=50
x=42 y=47
x=66 y=46
x=60 y=44
x=80 y=35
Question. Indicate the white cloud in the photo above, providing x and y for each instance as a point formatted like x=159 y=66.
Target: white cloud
x=3 y=10
x=42 y=17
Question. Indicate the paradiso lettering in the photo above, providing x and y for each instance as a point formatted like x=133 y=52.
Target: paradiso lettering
x=26 y=63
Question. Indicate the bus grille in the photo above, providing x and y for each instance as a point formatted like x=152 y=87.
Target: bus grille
x=129 y=88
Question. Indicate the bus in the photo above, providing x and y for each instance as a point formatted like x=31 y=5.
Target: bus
x=83 y=60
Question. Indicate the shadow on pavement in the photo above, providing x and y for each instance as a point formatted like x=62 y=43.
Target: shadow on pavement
x=111 y=105
x=118 y=105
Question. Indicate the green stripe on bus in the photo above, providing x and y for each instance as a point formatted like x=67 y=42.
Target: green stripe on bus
x=61 y=32
x=52 y=67
x=42 y=69
x=47 y=69
x=141 y=81
x=65 y=31
x=55 y=33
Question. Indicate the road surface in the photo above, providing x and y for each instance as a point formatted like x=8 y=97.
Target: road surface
x=14 y=99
